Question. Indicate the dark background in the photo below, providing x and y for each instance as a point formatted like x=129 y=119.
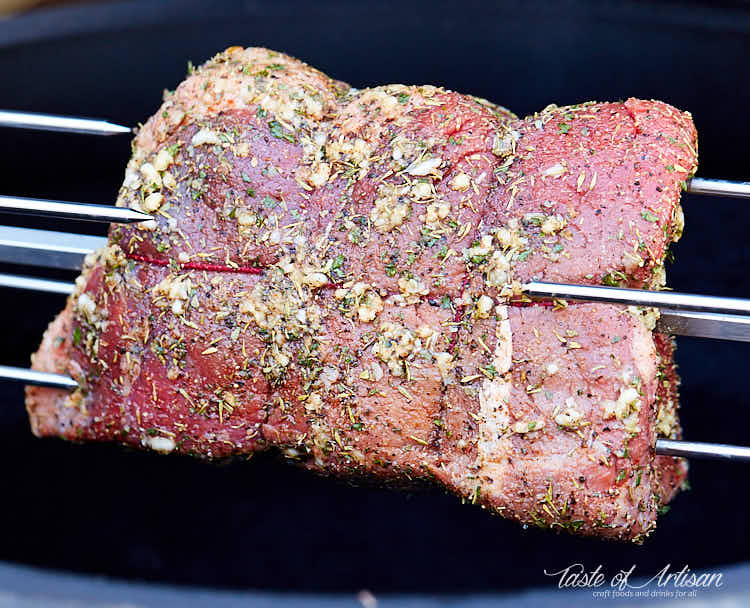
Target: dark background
x=263 y=524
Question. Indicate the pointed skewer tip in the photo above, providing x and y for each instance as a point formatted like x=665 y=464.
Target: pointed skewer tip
x=76 y=211
x=115 y=129
x=65 y=124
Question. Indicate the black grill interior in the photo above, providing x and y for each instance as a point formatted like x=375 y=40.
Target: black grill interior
x=262 y=524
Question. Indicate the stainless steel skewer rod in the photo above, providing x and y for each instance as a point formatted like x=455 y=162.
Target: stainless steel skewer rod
x=30 y=376
x=51 y=249
x=73 y=211
x=34 y=284
x=67 y=124
x=639 y=297
x=695 y=449
x=46 y=248
x=664 y=447
x=718 y=187
x=705 y=325
x=94 y=126
x=66 y=250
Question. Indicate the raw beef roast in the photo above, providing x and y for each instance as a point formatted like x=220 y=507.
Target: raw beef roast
x=336 y=274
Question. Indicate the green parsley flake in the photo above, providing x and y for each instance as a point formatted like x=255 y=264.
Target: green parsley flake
x=278 y=131
x=338 y=262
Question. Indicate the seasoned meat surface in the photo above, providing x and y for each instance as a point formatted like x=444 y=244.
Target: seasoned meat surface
x=335 y=274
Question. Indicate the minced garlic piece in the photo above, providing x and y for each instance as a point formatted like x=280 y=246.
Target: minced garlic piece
x=460 y=182
x=153 y=179
x=658 y=278
x=555 y=170
x=388 y=105
x=152 y=202
x=498 y=263
x=422 y=167
x=374 y=373
x=648 y=316
x=242 y=150
x=367 y=302
x=395 y=343
x=205 y=136
x=403 y=149
x=483 y=248
x=570 y=417
x=170 y=183
x=355 y=153
x=163 y=160
x=314 y=403
x=422 y=190
x=444 y=362
x=369 y=306
x=484 y=307
x=497 y=270
x=175 y=289
x=412 y=288
x=163 y=445
x=316 y=279
x=351 y=290
x=229 y=399
x=678 y=223
x=87 y=307
x=436 y=212
x=132 y=180
x=389 y=212
x=254 y=306
x=111 y=255
x=503 y=146
x=666 y=421
x=319 y=174
x=527 y=427
x=245 y=217
x=626 y=409
x=552 y=224
x=509 y=236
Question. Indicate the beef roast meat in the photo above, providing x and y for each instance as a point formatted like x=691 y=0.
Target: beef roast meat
x=335 y=274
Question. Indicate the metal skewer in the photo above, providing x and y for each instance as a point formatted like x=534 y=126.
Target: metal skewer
x=699 y=325
x=52 y=249
x=705 y=325
x=74 y=211
x=51 y=122
x=93 y=126
x=664 y=447
x=46 y=248
x=639 y=297
x=695 y=449
x=34 y=284
x=718 y=187
x=31 y=376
